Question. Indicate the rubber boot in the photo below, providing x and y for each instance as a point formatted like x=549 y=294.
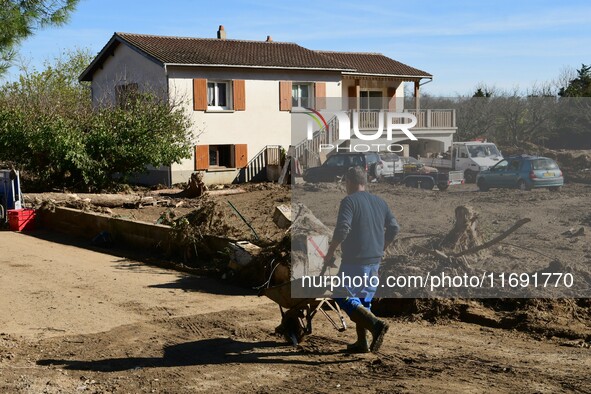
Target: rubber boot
x=360 y=346
x=365 y=319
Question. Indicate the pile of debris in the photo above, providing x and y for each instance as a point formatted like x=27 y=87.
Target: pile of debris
x=102 y=203
x=575 y=165
x=299 y=252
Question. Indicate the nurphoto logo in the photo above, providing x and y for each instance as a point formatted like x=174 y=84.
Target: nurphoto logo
x=388 y=121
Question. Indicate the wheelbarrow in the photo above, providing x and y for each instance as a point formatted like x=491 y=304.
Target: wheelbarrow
x=297 y=313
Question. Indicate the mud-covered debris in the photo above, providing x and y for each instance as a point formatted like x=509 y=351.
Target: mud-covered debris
x=573 y=232
x=282 y=216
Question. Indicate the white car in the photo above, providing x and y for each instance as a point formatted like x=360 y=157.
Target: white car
x=392 y=164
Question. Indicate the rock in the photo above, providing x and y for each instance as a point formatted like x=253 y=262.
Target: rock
x=282 y=216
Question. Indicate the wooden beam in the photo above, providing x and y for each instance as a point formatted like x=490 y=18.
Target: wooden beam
x=417 y=96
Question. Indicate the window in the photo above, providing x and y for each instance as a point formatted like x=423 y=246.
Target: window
x=461 y=151
x=484 y=150
x=514 y=165
x=221 y=156
x=301 y=95
x=544 y=164
x=218 y=95
x=501 y=166
x=335 y=161
x=370 y=100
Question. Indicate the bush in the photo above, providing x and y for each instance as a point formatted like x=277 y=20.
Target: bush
x=49 y=128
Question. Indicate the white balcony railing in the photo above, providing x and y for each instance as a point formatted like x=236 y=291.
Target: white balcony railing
x=426 y=118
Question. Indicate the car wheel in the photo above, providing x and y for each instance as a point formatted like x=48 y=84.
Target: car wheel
x=521 y=185
x=470 y=176
x=482 y=185
x=442 y=186
x=427 y=184
x=411 y=183
x=554 y=188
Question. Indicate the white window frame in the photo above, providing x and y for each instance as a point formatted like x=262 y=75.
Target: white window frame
x=216 y=106
x=310 y=86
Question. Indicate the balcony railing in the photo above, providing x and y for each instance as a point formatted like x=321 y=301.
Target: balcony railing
x=426 y=118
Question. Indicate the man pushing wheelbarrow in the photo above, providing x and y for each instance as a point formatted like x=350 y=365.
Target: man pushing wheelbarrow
x=365 y=227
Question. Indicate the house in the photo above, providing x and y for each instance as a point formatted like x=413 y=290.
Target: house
x=241 y=95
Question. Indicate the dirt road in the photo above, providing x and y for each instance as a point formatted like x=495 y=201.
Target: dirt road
x=74 y=320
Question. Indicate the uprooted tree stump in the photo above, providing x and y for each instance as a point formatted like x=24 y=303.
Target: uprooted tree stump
x=465 y=234
x=195 y=187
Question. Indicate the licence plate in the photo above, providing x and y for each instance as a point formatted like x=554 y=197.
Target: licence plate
x=548 y=174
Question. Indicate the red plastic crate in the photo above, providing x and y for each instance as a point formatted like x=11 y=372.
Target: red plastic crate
x=21 y=219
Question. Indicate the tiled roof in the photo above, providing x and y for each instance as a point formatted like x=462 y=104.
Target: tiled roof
x=375 y=64
x=211 y=51
x=258 y=54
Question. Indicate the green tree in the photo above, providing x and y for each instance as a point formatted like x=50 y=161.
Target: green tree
x=20 y=19
x=49 y=128
x=579 y=86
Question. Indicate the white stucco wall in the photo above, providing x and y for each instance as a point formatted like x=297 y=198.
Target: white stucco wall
x=261 y=124
x=124 y=67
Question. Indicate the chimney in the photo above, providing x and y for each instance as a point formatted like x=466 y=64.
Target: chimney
x=221 y=33
x=269 y=39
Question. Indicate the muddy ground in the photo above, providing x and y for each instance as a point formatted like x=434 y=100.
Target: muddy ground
x=176 y=342
x=75 y=320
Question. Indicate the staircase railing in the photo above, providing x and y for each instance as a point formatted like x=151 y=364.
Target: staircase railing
x=307 y=151
x=256 y=168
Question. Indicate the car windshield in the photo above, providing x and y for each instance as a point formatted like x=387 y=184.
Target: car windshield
x=483 y=150
x=389 y=157
x=544 y=164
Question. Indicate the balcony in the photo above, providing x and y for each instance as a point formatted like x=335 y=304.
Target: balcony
x=426 y=119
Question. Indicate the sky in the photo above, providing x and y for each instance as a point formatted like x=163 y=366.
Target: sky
x=463 y=43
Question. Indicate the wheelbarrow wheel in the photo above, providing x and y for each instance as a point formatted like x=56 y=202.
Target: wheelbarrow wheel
x=291 y=329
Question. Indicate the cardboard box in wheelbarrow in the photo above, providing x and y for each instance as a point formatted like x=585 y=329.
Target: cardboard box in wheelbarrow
x=21 y=219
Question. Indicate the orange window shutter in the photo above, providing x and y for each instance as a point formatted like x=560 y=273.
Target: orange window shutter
x=392 y=99
x=241 y=155
x=239 y=95
x=201 y=157
x=352 y=97
x=199 y=94
x=320 y=95
x=285 y=95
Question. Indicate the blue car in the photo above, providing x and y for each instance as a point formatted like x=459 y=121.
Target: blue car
x=523 y=172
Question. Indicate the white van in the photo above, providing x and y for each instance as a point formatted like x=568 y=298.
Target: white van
x=470 y=157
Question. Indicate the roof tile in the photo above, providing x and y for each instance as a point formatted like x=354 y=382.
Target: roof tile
x=211 y=51
x=374 y=63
